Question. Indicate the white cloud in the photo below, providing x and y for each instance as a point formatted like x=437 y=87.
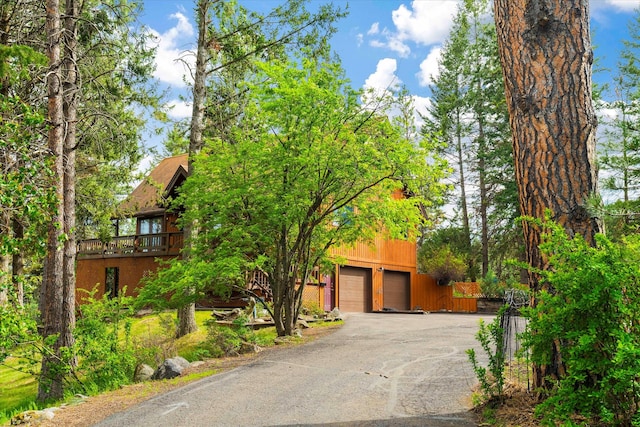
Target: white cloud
x=421 y=106
x=375 y=29
x=384 y=77
x=171 y=46
x=429 y=21
x=179 y=109
x=429 y=67
x=424 y=23
x=622 y=5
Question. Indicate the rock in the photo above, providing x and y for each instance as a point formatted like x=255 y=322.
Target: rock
x=249 y=347
x=226 y=315
x=303 y=324
x=170 y=368
x=33 y=417
x=297 y=333
x=181 y=361
x=143 y=373
x=335 y=315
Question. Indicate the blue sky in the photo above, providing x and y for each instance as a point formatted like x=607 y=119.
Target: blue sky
x=379 y=42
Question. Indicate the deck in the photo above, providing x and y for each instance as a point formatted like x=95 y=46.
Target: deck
x=139 y=245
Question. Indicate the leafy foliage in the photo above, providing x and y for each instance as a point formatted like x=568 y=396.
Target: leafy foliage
x=16 y=327
x=491 y=339
x=103 y=344
x=309 y=169
x=442 y=264
x=592 y=309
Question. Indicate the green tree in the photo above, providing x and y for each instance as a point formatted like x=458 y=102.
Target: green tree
x=314 y=169
x=546 y=60
x=469 y=113
x=230 y=38
x=619 y=152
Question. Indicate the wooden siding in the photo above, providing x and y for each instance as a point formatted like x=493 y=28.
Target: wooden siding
x=465 y=305
x=401 y=253
x=428 y=295
x=90 y=273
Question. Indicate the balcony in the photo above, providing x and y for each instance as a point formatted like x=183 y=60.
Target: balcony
x=132 y=246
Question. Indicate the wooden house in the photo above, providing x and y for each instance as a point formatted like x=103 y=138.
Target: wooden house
x=374 y=278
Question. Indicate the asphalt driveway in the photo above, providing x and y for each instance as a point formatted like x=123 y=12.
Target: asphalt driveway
x=377 y=370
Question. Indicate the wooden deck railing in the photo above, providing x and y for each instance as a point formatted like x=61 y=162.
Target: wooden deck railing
x=136 y=245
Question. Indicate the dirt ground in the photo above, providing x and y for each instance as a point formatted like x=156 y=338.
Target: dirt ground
x=96 y=408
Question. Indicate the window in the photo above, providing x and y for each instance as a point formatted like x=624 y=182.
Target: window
x=111 y=281
x=151 y=225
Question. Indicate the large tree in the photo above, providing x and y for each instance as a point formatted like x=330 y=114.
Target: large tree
x=310 y=168
x=620 y=149
x=230 y=39
x=546 y=57
x=469 y=112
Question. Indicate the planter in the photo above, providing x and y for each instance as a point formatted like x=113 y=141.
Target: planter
x=489 y=305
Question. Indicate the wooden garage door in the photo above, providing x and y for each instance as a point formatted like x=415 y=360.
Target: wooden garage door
x=354 y=289
x=396 y=290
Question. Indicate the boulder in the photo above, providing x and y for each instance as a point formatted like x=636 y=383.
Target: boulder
x=170 y=368
x=249 y=347
x=143 y=373
x=334 y=315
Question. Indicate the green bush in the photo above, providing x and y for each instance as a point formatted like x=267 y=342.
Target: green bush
x=106 y=360
x=312 y=308
x=592 y=309
x=442 y=264
x=491 y=339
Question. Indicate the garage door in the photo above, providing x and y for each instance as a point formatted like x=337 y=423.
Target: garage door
x=396 y=292
x=354 y=289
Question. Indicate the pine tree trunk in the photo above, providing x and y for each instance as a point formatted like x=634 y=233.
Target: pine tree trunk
x=50 y=384
x=70 y=107
x=546 y=57
x=186 y=315
x=5 y=265
x=463 y=201
x=17 y=271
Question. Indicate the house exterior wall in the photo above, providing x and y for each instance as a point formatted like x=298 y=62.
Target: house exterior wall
x=395 y=255
x=91 y=273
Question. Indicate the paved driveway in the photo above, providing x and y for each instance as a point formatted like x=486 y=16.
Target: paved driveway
x=377 y=370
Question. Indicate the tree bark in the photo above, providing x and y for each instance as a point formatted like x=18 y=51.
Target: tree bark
x=51 y=296
x=17 y=265
x=546 y=57
x=70 y=109
x=186 y=314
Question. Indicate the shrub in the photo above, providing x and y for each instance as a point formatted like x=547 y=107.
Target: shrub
x=491 y=339
x=442 y=264
x=592 y=308
x=312 y=308
x=105 y=359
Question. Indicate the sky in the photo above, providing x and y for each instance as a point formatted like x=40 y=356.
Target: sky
x=381 y=42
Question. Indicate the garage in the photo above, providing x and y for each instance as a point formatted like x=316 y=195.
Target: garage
x=354 y=289
x=396 y=290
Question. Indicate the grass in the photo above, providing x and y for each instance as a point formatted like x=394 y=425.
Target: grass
x=152 y=336
x=17 y=389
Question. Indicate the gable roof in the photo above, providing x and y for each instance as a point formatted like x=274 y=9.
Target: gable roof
x=149 y=195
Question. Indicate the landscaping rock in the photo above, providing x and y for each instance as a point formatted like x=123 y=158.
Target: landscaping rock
x=28 y=418
x=302 y=324
x=334 y=315
x=170 y=368
x=249 y=347
x=143 y=373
